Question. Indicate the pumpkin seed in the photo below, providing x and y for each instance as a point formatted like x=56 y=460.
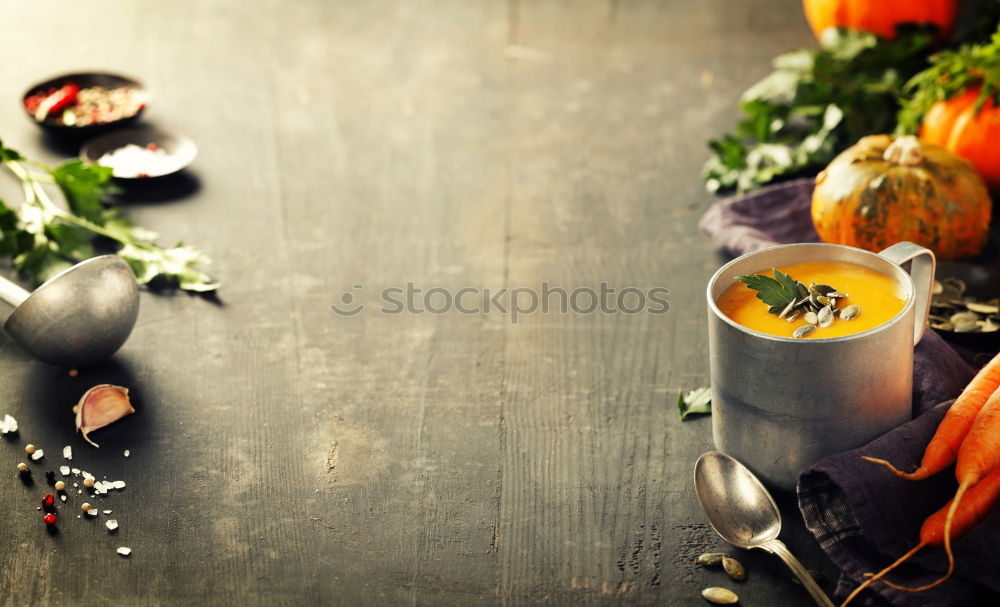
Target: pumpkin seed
x=791 y=317
x=821 y=289
x=988 y=326
x=962 y=318
x=711 y=559
x=734 y=568
x=787 y=309
x=720 y=596
x=966 y=327
x=825 y=317
x=981 y=308
x=811 y=317
x=814 y=301
x=837 y=295
x=803 y=290
x=824 y=300
x=804 y=330
x=850 y=312
x=943 y=326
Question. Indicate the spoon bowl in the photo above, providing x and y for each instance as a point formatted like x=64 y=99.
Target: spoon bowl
x=741 y=510
x=78 y=317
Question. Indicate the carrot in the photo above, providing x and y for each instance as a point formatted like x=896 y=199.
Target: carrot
x=942 y=450
x=935 y=530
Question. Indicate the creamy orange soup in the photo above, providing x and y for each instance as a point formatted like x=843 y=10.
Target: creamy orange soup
x=878 y=296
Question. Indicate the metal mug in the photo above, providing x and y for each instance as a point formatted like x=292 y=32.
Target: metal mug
x=781 y=404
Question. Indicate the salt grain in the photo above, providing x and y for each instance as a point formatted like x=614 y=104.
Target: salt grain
x=68 y=452
x=107 y=512
x=92 y=512
x=37 y=455
x=118 y=484
x=127 y=453
x=9 y=424
x=124 y=551
x=112 y=524
x=62 y=497
x=64 y=470
x=136 y=161
x=75 y=471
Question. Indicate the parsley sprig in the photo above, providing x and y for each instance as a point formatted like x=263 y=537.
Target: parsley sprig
x=776 y=292
x=952 y=72
x=44 y=239
x=814 y=105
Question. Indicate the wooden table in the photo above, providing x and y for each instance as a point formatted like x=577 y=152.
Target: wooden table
x=285 y=454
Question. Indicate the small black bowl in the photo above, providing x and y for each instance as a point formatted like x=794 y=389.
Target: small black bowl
x=179 y=151
x=981 y=282
x=54 y=123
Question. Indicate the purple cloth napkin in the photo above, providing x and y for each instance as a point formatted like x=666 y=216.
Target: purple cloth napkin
x=863 y=516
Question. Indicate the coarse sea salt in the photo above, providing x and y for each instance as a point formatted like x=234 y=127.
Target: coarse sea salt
x=137 y=161
x=107 y=512
x=118 y=484
x=112 y=524
x=64 y=470
x=8 y=425
x=37 y=455
x=68 y=452
x=62 y=497
x=76 y=471
x=124 y=551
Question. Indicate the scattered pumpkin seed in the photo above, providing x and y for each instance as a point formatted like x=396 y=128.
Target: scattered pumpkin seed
x=825 y=316
x=824 y=300
x=981 y=308
x=720 y=596
x=787 y=309
x=850 y=312
x=734 y=568
x=711 y=559
x=804 y=330
x=962 y=318
x=837 y=295
x=811 y=317
x=966 y=327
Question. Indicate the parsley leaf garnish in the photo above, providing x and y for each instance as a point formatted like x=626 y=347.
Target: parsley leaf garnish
x=776 y=292
x=43 y=238
x=698 y=401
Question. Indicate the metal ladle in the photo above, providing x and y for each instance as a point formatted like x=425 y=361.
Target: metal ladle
x=743 y=513
x=79 y=317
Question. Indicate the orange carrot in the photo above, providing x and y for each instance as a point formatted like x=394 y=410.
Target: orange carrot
x=934 y=531
x=942 y=450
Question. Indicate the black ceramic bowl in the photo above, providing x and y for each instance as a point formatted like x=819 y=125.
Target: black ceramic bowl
x=981 y=282
x=173 y=152
x=54 y=122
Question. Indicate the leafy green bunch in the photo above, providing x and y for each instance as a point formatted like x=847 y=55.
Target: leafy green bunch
x=44 y=239
x=816 y=104
x=952 y=72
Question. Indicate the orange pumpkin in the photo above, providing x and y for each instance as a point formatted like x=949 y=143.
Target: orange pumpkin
x=878 y=16
x=886 y=189
x=955 y=124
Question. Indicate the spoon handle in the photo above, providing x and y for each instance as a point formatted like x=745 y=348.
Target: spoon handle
x=12 y=293
x=778 y=548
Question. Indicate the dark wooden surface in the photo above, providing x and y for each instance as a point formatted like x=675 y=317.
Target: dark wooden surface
x=285 y=455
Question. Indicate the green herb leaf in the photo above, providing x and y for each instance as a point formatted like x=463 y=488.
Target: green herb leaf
x=44 y=239
x=698 y=401
x=814 y=105
x=776 y=292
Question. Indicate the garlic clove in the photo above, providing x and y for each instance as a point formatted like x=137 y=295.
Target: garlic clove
x=101 y=405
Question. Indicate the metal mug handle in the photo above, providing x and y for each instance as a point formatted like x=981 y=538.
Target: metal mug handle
x=922 y=271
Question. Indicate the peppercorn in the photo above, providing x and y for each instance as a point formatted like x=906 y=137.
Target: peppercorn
x=50 y=476
x=88 y=482
x=60 y=485
x=22 y=467
x=48 y=500
x=29 y=448
x=49 y=519
x=85 y=506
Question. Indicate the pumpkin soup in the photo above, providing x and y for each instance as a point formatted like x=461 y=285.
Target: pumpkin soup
x=813 y=299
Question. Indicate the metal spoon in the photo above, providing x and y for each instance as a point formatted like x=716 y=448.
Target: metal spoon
x=744 y=514
x=79 y=317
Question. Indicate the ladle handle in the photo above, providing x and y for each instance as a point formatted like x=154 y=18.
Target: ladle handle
x=12 y=293
x=778 y=548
